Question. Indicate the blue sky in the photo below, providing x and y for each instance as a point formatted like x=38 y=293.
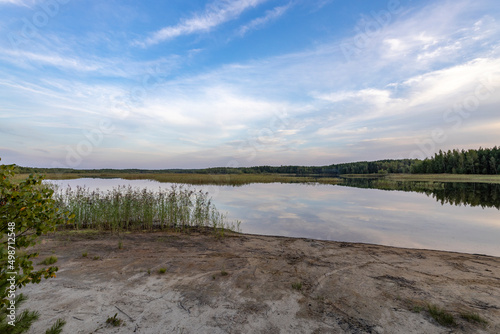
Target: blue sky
x=194 y=84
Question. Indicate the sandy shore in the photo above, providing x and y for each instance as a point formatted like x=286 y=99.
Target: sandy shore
x=258 y=284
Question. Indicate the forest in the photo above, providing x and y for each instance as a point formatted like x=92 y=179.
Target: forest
x=480 y=161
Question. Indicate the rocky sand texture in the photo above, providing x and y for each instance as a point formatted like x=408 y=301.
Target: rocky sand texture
x=259 y=284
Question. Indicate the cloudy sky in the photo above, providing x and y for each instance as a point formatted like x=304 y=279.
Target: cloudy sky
x=193 y=84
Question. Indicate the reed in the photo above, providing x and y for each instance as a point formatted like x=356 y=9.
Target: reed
x=126 y=208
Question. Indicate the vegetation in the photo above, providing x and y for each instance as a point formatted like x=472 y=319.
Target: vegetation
x=27 y=210
x=455 y=193
x=297 y=286
x=162 y=270
x=481 y=161
x=237 y=176
x=127 y=208
x=57 y=327
x=203 y=179
x=114 y=321
x=457 y=178
x=440 y=315
x=473 y=317
x=50 y=260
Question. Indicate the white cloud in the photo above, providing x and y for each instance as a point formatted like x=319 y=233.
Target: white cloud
x=216 y=13
x=454 y=83
x=17 y=2
x=259 y=22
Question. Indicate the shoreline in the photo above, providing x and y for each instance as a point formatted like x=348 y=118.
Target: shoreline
x=246 y=283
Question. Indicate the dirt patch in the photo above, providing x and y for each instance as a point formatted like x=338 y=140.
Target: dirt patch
x=258 y=284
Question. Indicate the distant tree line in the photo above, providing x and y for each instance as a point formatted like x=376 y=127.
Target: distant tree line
x=481 y=161
x=363 y=167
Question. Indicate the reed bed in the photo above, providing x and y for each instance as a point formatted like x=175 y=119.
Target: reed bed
x=126 y=208
x=202 y=179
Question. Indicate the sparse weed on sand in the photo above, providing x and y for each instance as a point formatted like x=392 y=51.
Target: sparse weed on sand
x=297 y=286
x=50 y=260
x=473 y=318
x=114 y=321
x=440 y=315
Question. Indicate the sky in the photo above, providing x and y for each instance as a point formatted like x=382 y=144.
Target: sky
x=234 y=83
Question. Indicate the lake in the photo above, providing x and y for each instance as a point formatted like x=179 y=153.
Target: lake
x=351 y=214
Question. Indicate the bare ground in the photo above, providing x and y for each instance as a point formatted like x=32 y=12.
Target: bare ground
x=258 y=284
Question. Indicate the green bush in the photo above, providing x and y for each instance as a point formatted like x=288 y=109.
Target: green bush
x=27 y=210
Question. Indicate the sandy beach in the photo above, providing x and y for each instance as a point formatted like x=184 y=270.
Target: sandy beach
x=166 y=282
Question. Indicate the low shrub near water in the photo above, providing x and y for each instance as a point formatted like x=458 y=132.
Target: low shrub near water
x=127 y=208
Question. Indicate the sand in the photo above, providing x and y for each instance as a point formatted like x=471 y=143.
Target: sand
x=258 y=284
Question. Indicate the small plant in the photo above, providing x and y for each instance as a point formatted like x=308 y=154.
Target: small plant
x=162 y=270
x=84 y=254
x=120 y=244
x=417 y=309
x=473 y=317
x=50 y=260
x=57 y=327
x=223 y=273
x=114 y=320
x=95 y=258
x=441 y=316
x=297 y=286
x=149 y=271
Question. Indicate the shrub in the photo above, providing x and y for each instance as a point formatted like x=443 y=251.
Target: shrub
x=28 y=210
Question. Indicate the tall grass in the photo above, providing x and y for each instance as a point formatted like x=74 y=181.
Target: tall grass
x=127 y=208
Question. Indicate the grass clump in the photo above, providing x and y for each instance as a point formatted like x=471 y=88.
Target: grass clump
x=85 y=254
x=95 y=258
x=473 y=317
x=120 y=244
x=50 y=260
x=162 y=270
x=417 y=309
x=114 y=321
x=440 y=315
x=297 y=286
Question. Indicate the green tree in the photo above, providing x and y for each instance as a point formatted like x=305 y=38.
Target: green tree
x=27 y=210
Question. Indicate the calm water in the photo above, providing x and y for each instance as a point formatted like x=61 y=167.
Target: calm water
x=328 y=212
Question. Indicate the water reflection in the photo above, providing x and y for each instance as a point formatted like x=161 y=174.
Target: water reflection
x=395 y=218
x=485 y=195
